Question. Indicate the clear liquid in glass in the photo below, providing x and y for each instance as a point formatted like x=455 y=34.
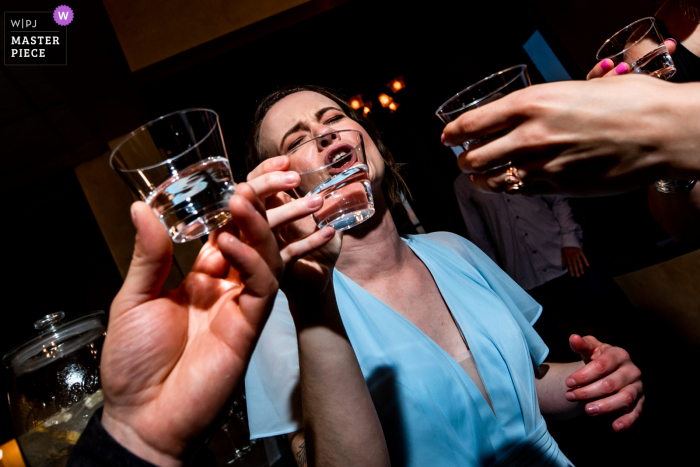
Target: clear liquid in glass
x=347 y=199
x=657 y=63
x=195 y=201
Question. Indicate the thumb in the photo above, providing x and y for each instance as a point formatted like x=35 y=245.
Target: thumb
x=150 y=263
x=670 y=45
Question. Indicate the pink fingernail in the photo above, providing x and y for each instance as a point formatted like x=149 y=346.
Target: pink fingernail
x=672 y=39
x=620 y=426
x=593 y=409
x=570 y=396
x=606 y=64
x=571 y=382
x=621 y=69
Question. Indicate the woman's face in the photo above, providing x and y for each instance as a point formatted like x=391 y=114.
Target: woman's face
x=306 y=114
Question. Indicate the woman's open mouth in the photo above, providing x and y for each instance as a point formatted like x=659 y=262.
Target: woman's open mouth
x=340 y=158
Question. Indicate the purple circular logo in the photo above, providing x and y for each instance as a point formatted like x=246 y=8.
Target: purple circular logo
x=63 y=15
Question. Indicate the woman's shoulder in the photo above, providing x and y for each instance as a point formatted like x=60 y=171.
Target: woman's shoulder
x=454 y=242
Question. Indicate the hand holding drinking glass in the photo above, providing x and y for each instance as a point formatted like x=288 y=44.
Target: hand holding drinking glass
x=296 y=230
x=477 y=95
x=172 y=359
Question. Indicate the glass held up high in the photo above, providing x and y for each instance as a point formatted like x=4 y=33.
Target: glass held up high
x=641 y=46
x=178 y=165
x=333 y=165
x=481 y=93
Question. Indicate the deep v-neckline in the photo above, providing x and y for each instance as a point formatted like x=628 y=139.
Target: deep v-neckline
x=488 y=400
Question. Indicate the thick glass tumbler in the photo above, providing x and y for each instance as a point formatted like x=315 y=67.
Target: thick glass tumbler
x=481 y=93
x=641 y=46
x=333 y=165
x=178 y=165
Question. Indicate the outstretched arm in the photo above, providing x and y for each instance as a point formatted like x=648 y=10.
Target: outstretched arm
x=341 y=426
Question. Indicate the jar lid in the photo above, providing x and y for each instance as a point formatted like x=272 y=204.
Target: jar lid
x=55 y=340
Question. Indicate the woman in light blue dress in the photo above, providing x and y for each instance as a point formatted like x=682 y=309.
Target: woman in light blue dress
x=405 y=351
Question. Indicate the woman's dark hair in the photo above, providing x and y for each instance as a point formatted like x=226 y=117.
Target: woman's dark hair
x=393 y=184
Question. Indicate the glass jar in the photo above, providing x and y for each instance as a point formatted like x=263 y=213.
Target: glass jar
x=55 y=386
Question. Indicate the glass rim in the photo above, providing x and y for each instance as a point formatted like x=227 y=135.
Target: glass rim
x=149 y=124
x=652 y=24
x=522 y=68
x=354 y=149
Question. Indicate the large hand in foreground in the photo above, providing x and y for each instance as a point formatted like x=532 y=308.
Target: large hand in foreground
x=172 y=359
x=610 y=379
x=600 y=137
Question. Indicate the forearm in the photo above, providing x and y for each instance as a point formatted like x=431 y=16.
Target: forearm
x=550 y=382
x=679 y=135
x=341 y=426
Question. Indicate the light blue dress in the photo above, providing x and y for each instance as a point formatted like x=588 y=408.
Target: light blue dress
x=432 y=414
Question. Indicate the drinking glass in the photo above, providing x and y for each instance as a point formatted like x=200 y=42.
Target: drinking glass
x=333 y=165
x=641 y=46
x=178 y=165
x=481 y=93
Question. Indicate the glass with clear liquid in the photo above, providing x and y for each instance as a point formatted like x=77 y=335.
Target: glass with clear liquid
x=333 y=165
x=641 y=46
x=195 y=201
x=178 y=165
x=347 y=199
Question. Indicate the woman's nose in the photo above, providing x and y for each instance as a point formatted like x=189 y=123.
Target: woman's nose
x=326 y=136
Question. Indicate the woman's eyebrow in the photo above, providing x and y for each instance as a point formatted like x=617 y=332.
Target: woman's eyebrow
x=298 y=125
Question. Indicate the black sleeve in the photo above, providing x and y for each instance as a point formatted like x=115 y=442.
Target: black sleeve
x=97 y=448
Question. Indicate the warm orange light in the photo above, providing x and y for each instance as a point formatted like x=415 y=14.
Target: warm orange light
x=384 y=100
x=366 y=110
x=356 y=102
x=396 y=84
x=393 y=106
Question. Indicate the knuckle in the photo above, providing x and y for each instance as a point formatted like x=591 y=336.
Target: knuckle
x=608 y=386
x=600 y=366
x=628 y=399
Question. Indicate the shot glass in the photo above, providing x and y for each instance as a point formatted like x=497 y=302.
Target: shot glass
x=178 y=165
x=481 y=93
x=333 y=165
x=641 y=46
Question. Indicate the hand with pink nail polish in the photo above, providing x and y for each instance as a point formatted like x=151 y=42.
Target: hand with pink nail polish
x=606 y=68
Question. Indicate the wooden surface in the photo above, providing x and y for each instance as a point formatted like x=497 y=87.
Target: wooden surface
x=153 y=31
x=671 y=291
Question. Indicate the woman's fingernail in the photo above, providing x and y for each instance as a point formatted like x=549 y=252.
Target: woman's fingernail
x=621 y=69
x=328 y=231
x=571 y=382
x=619 y=426
x=314 y=201
x=592 y=409
x=290 y=177
x=672 y=39
x=570 y=396
x=279 y=162
x=606 y=64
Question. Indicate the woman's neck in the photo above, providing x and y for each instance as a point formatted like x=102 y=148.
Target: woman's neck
x=373 y=249
x=681 y=27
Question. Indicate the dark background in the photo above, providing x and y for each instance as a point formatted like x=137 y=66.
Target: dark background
x=52 y=119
